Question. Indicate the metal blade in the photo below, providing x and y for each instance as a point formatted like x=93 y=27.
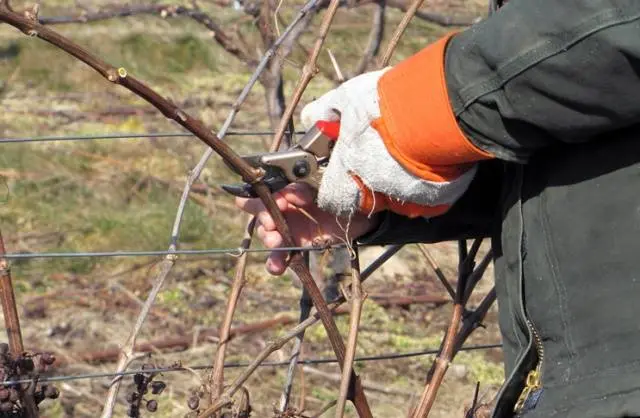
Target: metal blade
x=275 y=183
x=239 y=190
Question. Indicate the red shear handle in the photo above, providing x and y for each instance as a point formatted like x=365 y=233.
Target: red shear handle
x=329 y=128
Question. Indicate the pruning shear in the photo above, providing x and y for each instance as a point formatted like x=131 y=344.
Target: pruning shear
x=303 y=162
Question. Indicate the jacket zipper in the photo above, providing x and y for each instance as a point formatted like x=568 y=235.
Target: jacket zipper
x=533 y=384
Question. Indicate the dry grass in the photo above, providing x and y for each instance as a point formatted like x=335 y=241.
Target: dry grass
x=104 y=195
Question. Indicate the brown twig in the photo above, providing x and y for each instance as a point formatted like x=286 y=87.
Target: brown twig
x=376 y=35
x=441 y=363
x=274 y=345
x=216 y=378
x=305 y=309
x=303 y=384
x=9 y=308
x=437 y=270
x=456 y=335
x=29 y=25
x=226 y=398
x=163 y=10
x=309 y=8
x=273 y=83
x=339 y=76
x=474 y=319
x=357 y=300
x=12 y=325
x=410 y=12
x=127 y=351
x=308 y=72
x=297 y=263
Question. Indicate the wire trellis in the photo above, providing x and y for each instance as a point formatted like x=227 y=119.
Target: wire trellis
x=118 y=136
x=232 y=365
x=319 y=301
x=235 y=252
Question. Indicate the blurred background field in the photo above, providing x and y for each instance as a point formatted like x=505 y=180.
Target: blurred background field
x=103 y=195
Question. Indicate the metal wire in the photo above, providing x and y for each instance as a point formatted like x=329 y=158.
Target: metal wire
x=215 y=251
x=390 y=356
x=236 y=252
x=123 y=136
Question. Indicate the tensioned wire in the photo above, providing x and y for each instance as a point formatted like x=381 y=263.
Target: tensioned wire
x=389 y=356
x=214 y=251
x=236 y=252
x=116 y=136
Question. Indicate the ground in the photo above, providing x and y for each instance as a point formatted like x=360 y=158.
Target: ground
x=122 y=194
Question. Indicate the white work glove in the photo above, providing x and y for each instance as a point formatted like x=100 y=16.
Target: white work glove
x=360 y=151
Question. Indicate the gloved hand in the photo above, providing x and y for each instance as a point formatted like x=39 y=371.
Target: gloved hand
x=373 y=167
x=361 y=174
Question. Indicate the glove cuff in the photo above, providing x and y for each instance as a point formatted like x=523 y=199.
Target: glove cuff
x=419 y=127
x=373 y=202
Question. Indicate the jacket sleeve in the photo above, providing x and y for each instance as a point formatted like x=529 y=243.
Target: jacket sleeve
x=534 y=74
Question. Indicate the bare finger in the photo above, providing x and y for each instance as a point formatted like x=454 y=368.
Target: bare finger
x=272 y=239
x=252 y=206
x=266 y=221
x=277 y=263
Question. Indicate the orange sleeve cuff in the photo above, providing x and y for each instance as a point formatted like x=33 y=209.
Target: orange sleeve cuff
x=417 y=123
x=374 y=202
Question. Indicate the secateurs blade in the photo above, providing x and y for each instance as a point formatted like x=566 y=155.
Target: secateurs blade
x=304 y=162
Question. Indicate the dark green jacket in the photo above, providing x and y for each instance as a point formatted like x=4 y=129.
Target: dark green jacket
x=552 y=88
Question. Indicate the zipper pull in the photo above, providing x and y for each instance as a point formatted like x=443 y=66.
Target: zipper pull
x=531 y=392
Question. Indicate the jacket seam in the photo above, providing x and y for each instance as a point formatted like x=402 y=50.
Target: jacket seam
x=522 y=355
x=559 y=286
x=543 y=50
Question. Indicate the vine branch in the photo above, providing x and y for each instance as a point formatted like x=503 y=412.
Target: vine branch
x=12 y=325
x=357 y=300
x=460 y=326
x=278 y=343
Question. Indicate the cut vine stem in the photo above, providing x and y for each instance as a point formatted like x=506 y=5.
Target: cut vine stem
x=459 y=329
x=216 y=378
x=14 y=332
x=357 y=300
x=309 y=70
x=9 y=308
x=278 y=343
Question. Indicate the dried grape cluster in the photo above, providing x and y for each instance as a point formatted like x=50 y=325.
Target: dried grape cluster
x=143 y=383
x=241 y=407
x=21 y=367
